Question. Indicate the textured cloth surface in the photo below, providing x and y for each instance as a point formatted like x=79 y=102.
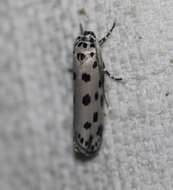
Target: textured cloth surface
x=36 y=41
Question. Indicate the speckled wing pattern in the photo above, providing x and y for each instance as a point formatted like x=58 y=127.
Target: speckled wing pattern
x=88 y=96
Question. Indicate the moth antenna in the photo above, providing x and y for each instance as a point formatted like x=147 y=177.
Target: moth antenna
x=111 y=76
x=104 y=39
x=81 y=28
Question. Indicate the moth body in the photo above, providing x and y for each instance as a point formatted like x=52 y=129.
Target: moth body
x=88 y=75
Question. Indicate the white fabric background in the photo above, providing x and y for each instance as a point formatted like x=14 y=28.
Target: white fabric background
x=36 y=40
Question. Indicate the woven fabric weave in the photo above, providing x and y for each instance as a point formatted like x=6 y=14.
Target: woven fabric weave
x=36 y=113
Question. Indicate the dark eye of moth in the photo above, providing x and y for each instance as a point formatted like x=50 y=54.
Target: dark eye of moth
x=80 y=56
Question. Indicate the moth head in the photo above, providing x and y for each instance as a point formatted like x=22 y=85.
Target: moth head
x=86 y=40
x=89 y=36
x=84 y=47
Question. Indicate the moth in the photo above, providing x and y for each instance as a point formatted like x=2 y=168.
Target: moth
x=89 y=92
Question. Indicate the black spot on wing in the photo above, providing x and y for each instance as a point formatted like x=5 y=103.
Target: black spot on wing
x=81 y=140
x=96 y=96
x=86 y=99
x=90 y=140
x=100 y=130
x=92 y=54
x=92 y=45
x=80 y=56
x=86 y=77
x=95 y=117
x=95 y=64
x=86 y=143
x=87 y=125
x=100 y=83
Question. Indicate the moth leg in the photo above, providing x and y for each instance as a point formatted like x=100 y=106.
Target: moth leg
x=112 y=77
x=104 y=96
x=107 y=104
x=103 y=40
x=72 y=73
x=70 y=70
